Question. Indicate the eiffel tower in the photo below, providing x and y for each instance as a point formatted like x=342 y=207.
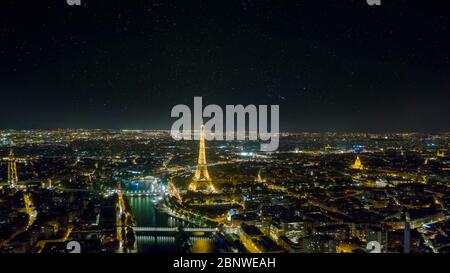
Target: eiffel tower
x=202 y=181
x=12 y=170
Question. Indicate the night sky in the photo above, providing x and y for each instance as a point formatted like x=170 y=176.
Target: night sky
x=330 y=65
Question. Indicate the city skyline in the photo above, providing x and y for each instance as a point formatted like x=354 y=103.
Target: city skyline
x=144 y=192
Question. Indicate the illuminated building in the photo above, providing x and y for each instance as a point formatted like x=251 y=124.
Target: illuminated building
x=202 y=181
x=318 y=244
x=357 y=165
x=440 y=153
x=256 y=242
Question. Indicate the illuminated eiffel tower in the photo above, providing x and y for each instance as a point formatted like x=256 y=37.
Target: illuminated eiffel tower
x=202 y=181
x=13 y=179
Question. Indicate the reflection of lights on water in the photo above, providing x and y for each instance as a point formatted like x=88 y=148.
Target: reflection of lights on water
x=201 y=245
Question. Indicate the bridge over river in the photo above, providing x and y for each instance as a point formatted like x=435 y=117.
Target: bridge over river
x=156 y=231
x=174 y=229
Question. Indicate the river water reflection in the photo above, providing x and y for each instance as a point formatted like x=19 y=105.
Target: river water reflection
x=148 y=216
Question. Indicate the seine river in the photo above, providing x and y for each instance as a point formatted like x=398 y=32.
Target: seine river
x=148 y=216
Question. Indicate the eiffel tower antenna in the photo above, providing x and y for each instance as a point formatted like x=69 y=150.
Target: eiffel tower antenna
x=202 y=181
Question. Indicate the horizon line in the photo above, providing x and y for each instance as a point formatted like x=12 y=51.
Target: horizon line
x=281 y=132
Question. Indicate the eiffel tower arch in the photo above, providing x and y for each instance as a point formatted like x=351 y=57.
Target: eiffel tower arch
x=202 y=182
